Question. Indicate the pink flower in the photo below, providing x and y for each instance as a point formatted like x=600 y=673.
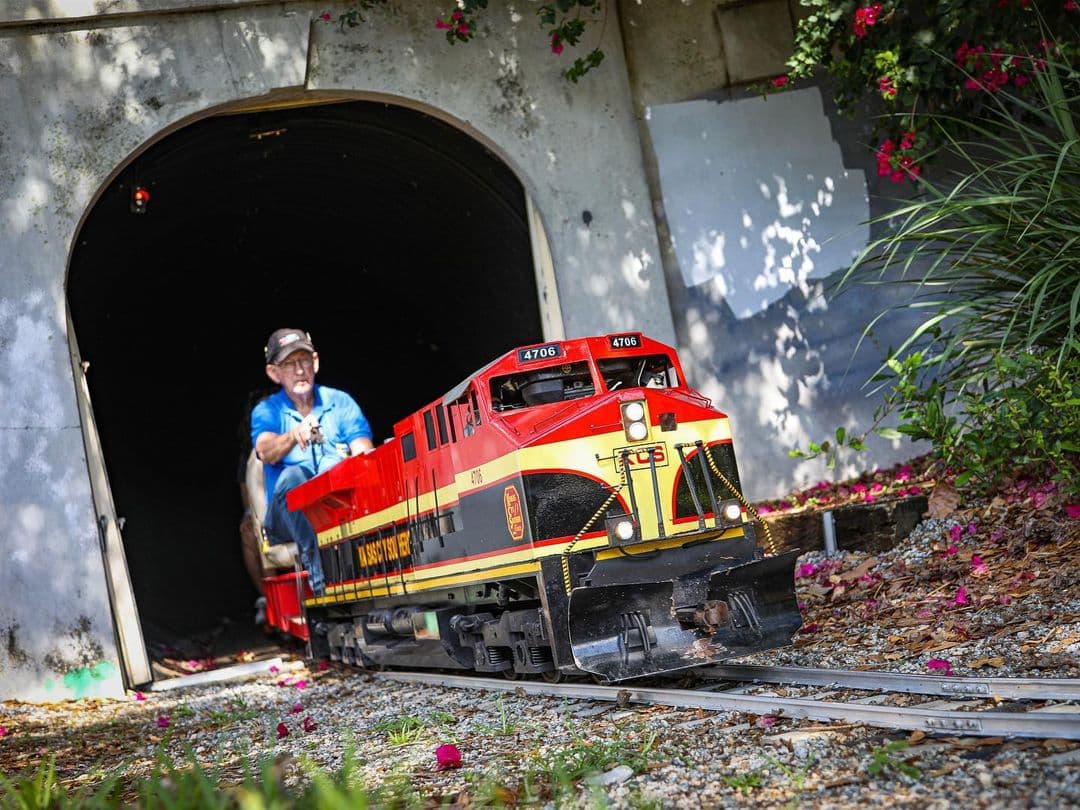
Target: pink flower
x=139 y=696
x=955 y=532
x=949 y=551
x=296 y=709
x=447 y=756
x=463 y=29
x=859 y=488
x=163 y=721
x=323 y=666
x=779 y=81
x=556 y=44
x=870 y=498
x=996 y=535
x=785 y=505
x=442 y=24
x=809 y=628
x=886 y=87
x=807 y=570
x=274 y=669
x=972 y=528
x=978 y=567
x=1070 y=5
x=1038 y=500
x=1005 y=599
x=309 y=725
x=301 y=684
x=764 y=510
x=282 y=731
x=325 y=16
x=913 y=491
x=865 y=17
x=939 y=664
x=908 y=141
x=766 y=721
x=1073 y=511
x=961 y=596
x=3 y=731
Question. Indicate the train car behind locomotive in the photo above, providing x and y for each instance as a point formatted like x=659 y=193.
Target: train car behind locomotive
x=571 y=507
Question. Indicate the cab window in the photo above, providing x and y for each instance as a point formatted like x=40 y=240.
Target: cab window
x=541 y=386
x=465 y=415
x=643 y=371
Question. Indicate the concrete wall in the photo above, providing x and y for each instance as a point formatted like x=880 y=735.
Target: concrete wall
x=761 y=204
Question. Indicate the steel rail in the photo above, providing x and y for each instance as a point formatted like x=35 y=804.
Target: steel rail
x=1042 y=724
x=1007 y=688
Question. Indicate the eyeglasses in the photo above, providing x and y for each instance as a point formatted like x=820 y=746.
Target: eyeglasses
x=296 y=366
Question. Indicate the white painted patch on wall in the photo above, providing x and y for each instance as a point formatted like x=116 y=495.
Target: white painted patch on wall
x=755 y=204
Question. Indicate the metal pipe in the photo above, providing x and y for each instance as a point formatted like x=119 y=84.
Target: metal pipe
x=708 y=483
x=630 y=486
x=691 y=485
x=656 y=492
x=829 y=529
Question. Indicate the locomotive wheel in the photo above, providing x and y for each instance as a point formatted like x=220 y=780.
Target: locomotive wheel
x=555 y=676
x=510 y=674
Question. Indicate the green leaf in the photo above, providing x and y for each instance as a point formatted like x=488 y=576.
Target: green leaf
x=888 y=433
x=840 y=434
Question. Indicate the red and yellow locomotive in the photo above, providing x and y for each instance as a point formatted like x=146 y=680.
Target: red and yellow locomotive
x=571 y=507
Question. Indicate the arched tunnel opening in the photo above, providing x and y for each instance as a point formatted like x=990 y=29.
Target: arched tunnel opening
x=398 y=241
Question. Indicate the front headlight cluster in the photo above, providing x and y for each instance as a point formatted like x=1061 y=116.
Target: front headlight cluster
x=633 y=417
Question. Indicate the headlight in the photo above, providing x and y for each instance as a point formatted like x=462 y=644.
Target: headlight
x=624 y=530
x=731 y=512
x=637 y=431
x=634 y=411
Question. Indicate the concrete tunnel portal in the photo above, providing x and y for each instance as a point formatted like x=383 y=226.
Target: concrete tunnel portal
x=400 y=242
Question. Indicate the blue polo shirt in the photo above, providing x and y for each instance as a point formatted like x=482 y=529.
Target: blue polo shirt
x=340 y=420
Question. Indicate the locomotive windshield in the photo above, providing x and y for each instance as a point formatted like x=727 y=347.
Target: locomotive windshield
x=644 y=371
x=541 y=386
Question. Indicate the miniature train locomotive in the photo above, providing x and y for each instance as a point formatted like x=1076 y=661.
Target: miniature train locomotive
x=572 y=507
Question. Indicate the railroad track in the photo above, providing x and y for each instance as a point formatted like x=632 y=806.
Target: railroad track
x=976 y=714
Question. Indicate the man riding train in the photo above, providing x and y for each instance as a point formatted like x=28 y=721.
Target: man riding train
x=301 y=430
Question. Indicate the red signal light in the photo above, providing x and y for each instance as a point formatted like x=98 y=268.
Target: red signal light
x=140 y=199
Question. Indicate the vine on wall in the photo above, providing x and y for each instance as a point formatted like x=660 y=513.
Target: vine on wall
x=564 y=23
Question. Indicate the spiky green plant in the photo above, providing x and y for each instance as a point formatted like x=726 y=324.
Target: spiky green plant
x=991 y=253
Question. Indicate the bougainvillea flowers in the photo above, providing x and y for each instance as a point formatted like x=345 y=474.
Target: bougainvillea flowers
x=282 y=731
x=309 y=724
x=296 y=709
x=447 y=756
x=865 y=17
x=961 y=596
x=163 y=721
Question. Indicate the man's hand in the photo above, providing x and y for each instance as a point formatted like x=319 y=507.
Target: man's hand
x=302 y=433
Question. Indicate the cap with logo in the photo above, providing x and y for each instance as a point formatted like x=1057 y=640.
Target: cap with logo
x=284 y=342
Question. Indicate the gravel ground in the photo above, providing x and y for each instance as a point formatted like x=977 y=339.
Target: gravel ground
x=1019 y=615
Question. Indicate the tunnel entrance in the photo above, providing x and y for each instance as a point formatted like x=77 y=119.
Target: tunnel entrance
x=401 y=244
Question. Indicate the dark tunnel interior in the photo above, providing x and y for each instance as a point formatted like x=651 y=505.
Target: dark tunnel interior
x=399 y=242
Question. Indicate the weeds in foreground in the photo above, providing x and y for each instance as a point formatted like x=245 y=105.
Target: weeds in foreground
x=409 y=728
x=882 y=760
x=744 y=782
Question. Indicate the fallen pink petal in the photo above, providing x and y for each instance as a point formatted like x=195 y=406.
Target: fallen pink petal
x=972 y=528
x=301 y=684
x=296 y=709
x=766 y=721
x=809 y=628
x=274 y=669
x=309 y=724
x=163 y=721
x=955 y=533
x=961 y=597
x=978 y=567
x=282 y=730
x=807 y=570
x=325 y=16
x=447 y=756
x=323 y=666
x=1073 y=511
x=940 y=665
x=949 y=551
x=139 y=696
x=3 y=731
